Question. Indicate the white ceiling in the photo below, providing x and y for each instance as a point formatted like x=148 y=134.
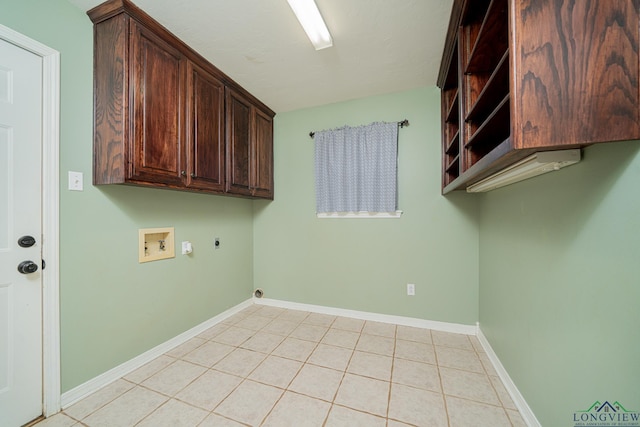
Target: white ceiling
x=379 y=46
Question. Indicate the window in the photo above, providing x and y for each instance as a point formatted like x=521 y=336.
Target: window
x=356 y=171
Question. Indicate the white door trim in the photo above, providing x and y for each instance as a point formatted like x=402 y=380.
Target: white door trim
x=50 y=213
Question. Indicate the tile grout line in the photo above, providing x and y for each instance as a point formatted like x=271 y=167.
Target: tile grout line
x=352 y=355
x=243 y=378
x=444 y=397
x=236 y=347
x=332 y=403
x=293 y=378
x=344 y=373
x=152 y=412
x=504 y=409
x=393 y=364
x=246 y=377
x=104 y=405
x=486 y=375
x=307 y=362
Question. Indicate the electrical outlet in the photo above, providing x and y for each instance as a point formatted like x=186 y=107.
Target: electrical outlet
x=187 y=248
x=411 y=289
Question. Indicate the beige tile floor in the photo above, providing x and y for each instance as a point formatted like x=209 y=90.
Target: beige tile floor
x=268 y=366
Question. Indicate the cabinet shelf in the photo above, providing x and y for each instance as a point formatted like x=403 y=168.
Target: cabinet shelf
x=452 y=113
x=454 y=143
x=492 y=39
x=499 y=157
x=453 y=165
x=493 y=92
x=494 y=129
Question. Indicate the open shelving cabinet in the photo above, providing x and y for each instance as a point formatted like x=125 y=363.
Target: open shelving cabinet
x=519 y=77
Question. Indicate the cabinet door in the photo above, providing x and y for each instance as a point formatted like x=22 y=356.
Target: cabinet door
x=205 y=130
x=157 y=151
x=576 y=72
x=239 y=173
x=263 y=155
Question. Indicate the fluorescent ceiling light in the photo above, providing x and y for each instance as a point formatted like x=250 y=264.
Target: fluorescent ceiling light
x=534 y=165
x=309 y=16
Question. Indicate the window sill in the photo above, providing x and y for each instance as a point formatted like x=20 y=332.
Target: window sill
x=359 y=215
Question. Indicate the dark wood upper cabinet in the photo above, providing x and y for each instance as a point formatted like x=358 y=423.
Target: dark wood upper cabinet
x=263 y=156
x=205 y=110
x=249 y=148
x=157 y=104
x=524 y=76
x=238 y=144
x=161 y=116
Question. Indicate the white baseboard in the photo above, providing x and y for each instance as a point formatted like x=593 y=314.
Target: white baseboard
x=83 y=390
x=527 y=414
x=456 y=328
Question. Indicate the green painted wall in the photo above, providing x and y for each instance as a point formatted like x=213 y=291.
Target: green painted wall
x=560 y=283
x=365 y=264
x=112 y=307
x=551 y=262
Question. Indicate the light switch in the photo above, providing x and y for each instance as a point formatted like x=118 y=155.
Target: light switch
x=75 y=181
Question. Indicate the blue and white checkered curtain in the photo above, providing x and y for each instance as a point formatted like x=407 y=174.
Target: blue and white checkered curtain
x=356 y=168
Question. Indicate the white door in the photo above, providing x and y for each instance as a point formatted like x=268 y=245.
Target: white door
x=20 y=216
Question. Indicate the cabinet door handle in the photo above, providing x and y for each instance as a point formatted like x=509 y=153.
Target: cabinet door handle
x=183 y=173
x=193 y=175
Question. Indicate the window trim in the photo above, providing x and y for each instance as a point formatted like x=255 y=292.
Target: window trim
x=359 y=215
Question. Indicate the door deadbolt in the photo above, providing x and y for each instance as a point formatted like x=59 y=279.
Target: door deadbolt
x=27 y=267
x=26 y=241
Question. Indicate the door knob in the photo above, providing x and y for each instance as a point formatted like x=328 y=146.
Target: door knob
x=27 y=267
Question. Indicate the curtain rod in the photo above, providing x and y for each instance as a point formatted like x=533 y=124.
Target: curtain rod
x=402 y=124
